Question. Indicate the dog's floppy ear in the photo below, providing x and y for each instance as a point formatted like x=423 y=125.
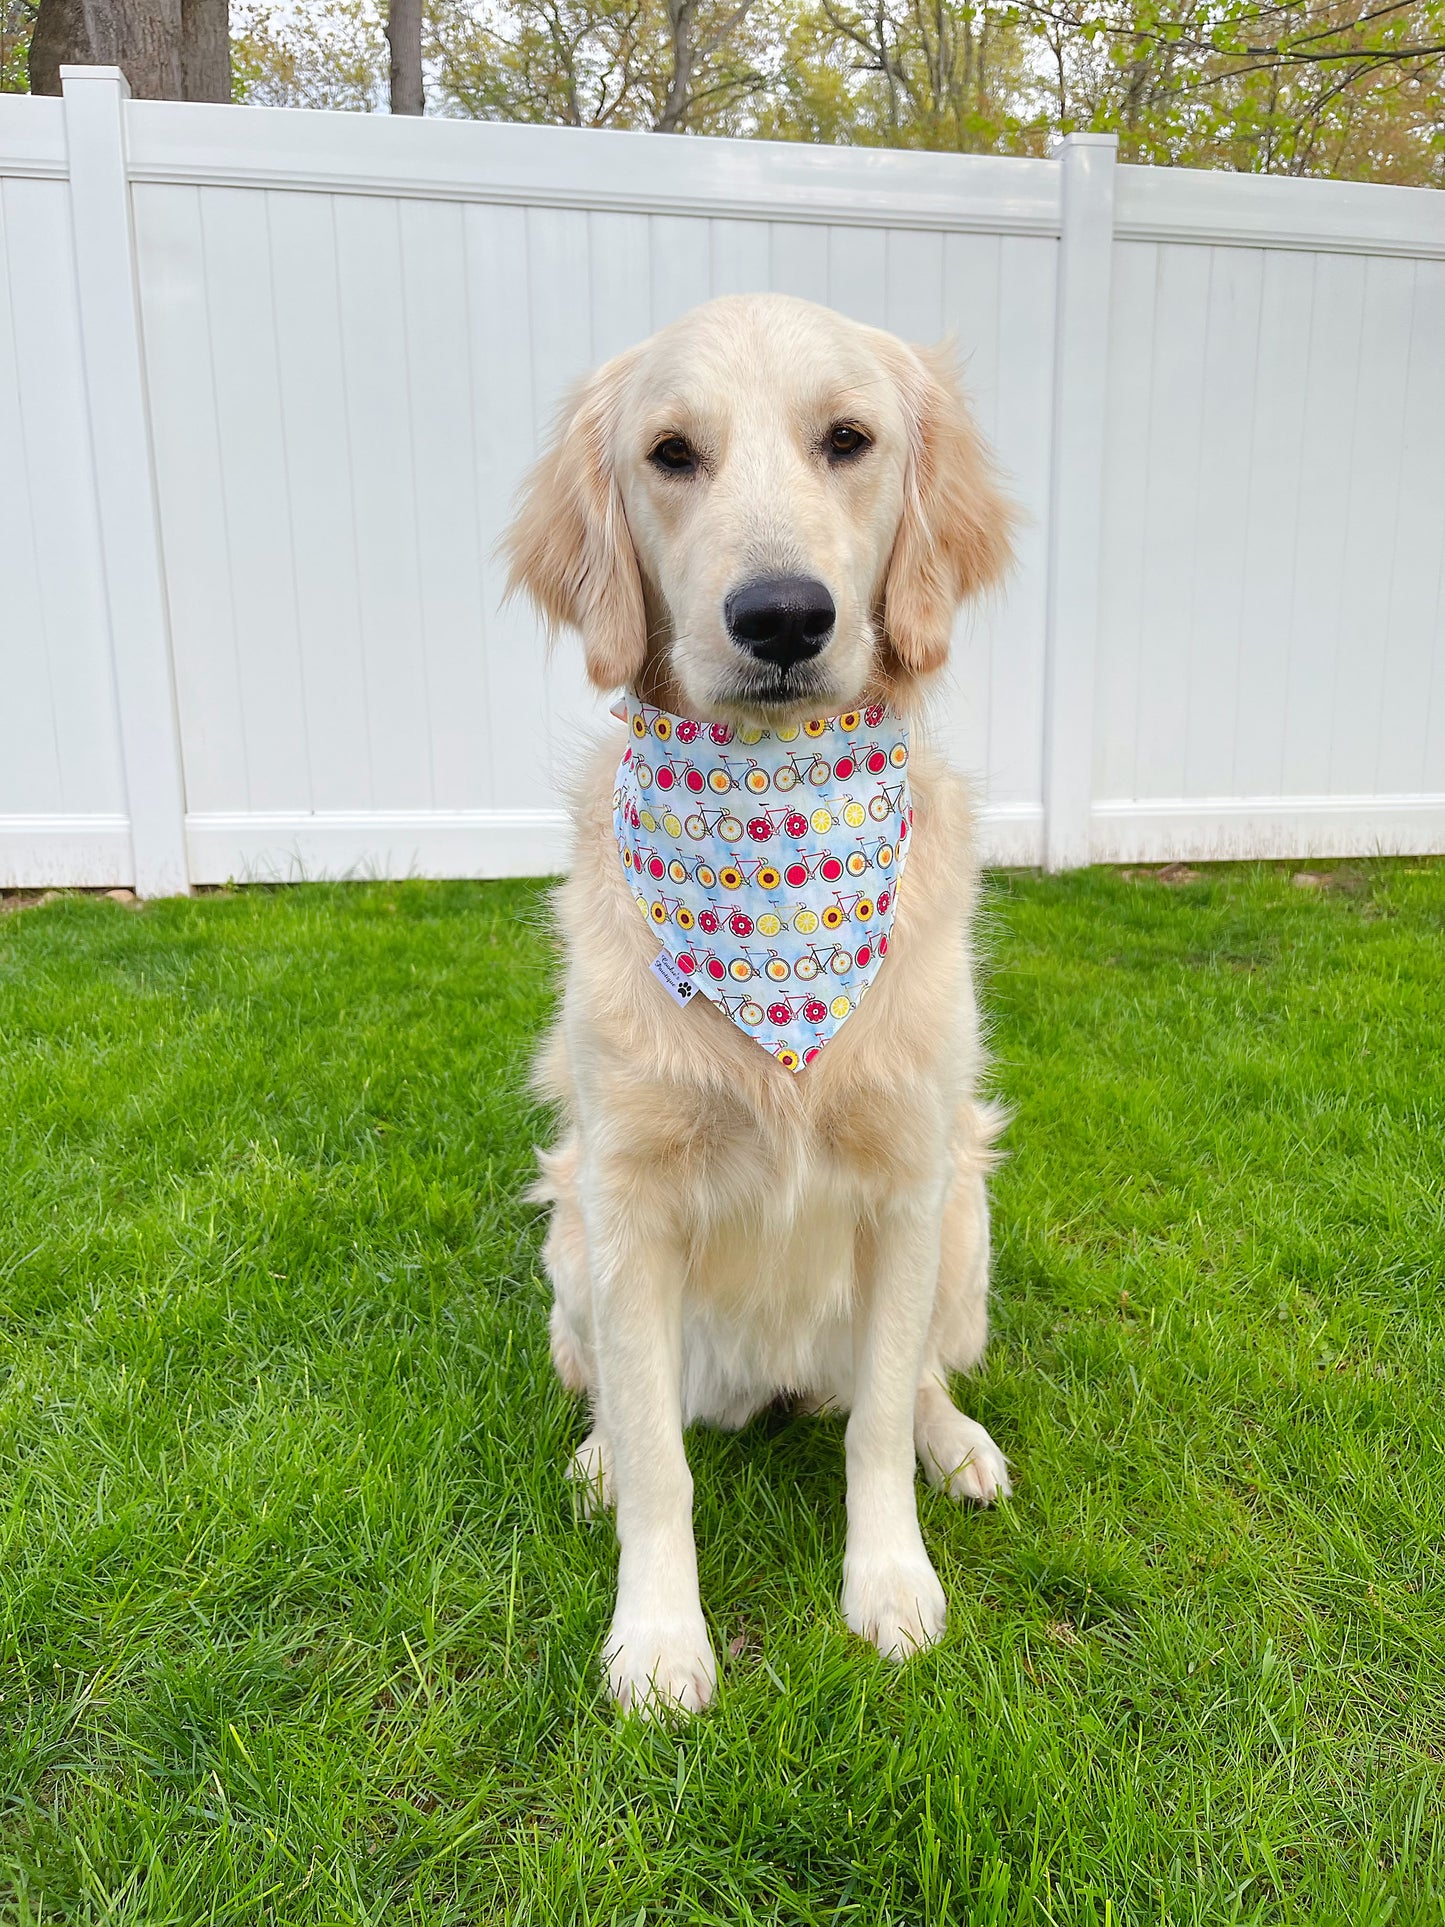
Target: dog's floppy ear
x=954 y=539
x=569 y=546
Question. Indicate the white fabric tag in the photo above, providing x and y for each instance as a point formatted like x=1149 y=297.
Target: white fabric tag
x=679 y=988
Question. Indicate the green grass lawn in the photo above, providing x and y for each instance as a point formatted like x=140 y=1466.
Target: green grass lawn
x=298 y=1626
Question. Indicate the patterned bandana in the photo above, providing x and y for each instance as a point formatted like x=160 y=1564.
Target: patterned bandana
x=767 y=860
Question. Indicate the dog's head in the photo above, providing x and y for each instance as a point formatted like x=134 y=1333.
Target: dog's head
x=765 y=511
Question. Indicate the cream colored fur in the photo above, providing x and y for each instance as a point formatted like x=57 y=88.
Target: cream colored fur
x=723 y=1230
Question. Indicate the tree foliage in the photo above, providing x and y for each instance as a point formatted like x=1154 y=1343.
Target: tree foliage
x=17 y=23
x=1344 y=87
x=334 y=57
x=906 y=73
x=675 y=65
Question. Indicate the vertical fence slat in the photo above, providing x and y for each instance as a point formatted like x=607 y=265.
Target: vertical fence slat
x=105 y=271
x=1081 y=360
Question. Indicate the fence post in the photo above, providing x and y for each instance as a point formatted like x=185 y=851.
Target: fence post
x=1076 y=483
x=125 y=489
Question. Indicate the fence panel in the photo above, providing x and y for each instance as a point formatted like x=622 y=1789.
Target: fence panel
x=346 y=390
x=63 y=811
x=1271 y=603
x=1219 y=400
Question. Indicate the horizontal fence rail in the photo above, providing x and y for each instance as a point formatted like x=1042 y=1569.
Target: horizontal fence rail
x=269 y=381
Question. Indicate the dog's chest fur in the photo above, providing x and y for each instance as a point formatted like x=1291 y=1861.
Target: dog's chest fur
x=763 y=1177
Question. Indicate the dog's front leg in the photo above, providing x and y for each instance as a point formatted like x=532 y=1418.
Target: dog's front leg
x=658 y=1652
x=891 y=1593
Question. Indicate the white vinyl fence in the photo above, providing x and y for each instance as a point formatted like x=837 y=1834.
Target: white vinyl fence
x=268 y=381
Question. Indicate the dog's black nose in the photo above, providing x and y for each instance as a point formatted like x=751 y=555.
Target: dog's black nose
x=781 y=619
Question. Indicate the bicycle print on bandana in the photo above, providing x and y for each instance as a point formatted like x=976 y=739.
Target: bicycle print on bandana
x=768 y=861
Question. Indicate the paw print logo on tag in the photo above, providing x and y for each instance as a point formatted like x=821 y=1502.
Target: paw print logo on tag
x=664 y=967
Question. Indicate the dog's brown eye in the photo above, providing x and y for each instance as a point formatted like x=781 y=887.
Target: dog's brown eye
x=845 y=440
x=674 y=454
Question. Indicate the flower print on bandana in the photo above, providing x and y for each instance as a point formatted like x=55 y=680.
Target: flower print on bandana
x=768 y=861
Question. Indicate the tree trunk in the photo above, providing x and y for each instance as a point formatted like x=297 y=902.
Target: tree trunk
x=206 y=49
x=55 y=37
x=679 y=85
x=403 y=30
x=150 y=48
x=167 y=49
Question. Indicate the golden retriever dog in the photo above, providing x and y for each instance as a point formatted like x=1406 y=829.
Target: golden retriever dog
x=725 y=1230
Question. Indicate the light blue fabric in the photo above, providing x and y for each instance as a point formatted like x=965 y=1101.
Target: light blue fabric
x=768 y=861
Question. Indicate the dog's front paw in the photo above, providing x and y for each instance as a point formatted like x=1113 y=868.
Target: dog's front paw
x=590 y=1476
x=896 y=1603
x=961 y=1459
x=657 y=1667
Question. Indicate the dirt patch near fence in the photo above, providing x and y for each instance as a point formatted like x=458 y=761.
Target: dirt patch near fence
x=13 y=900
